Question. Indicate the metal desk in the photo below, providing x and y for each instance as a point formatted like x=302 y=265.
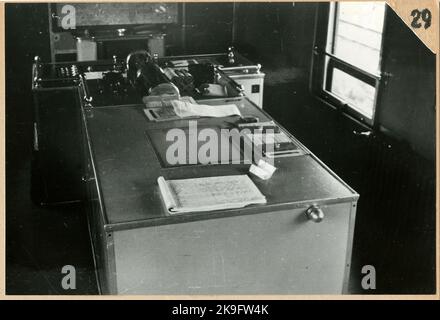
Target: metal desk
x=139 y=248
x=261 y=249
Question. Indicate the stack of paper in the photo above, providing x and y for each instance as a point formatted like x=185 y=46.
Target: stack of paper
x=209 y=193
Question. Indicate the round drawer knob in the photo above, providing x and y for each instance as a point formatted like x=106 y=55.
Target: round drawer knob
x=315 y=213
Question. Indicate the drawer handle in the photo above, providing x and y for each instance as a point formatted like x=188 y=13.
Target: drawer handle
x=315 y=213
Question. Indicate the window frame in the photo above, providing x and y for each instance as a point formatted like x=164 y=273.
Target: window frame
x=324 y=63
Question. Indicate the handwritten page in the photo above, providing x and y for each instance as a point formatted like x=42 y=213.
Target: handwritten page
x=209 y=193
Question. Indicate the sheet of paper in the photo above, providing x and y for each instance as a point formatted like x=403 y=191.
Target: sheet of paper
x=209 y=193
x=187 y=109
x=160 y=108
x=262 y=170
x=165 y=101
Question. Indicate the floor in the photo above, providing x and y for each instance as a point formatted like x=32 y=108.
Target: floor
x=395 y=219
x=40 y=240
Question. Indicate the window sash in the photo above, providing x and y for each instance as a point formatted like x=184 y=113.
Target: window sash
x=325 y=62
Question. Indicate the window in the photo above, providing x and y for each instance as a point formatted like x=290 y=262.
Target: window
x=357 y=35
x=355 y=92
x=351 y=56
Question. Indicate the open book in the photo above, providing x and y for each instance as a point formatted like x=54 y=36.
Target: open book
x=209 y=193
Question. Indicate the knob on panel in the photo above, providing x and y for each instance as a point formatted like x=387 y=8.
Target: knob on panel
x=315 y=213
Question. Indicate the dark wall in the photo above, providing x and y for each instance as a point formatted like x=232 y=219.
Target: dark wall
x=274 y=34
x=406 y=107
x=277 y=34
x=208 y=27
x=26 y=35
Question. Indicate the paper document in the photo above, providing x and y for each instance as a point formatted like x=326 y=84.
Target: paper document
x=186 y=109
x=209 y=193
x=160 y=108
x=262 y=170
x=164 y=101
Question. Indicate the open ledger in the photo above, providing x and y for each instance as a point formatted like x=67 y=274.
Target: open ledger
x=209 y=193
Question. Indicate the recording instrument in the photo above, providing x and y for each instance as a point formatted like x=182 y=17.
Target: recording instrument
x=142 y=73
x=203 y=73
x=114 y=83
x=182 y=79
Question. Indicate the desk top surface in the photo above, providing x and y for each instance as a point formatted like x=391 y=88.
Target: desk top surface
x=127 y=169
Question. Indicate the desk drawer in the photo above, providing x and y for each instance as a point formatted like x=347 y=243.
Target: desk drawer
x=278 y=252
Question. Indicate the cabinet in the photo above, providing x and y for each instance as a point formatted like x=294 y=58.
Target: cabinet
x=57 y=136
x=102 y=153
x=261 y=249
x=251 y=81
x=101 y=241
x=268 y=253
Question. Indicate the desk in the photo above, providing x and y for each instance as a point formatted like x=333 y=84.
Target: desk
x=262 y=249
x=139 y=248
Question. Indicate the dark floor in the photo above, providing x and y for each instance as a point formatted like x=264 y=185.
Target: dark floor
x=395 y=219
x=41 y=240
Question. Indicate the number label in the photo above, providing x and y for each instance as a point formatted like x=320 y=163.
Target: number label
x=425 y=15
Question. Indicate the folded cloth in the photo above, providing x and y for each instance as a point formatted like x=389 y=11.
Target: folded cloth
x=186 y=109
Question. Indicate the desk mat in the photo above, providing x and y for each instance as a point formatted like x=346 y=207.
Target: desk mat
x=184 y=141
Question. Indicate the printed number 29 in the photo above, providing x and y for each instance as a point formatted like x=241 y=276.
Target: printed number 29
x=426 y=16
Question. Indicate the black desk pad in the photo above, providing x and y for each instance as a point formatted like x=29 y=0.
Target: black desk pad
x=157 y=138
